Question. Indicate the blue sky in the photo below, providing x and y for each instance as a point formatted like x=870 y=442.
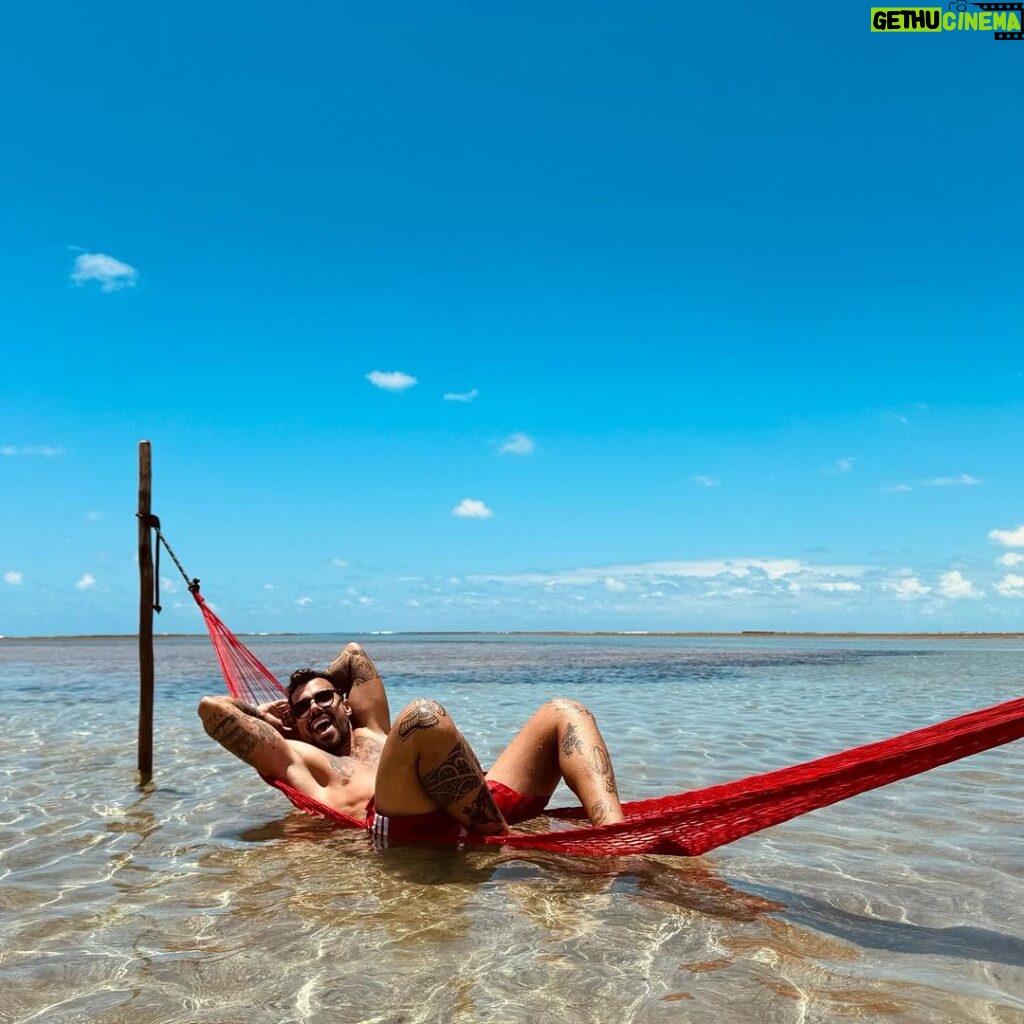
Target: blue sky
x=702 y=318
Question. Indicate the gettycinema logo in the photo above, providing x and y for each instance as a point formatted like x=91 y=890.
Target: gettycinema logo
x=1003 y=20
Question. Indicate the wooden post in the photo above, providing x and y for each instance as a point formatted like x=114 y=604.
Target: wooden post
x=146 y=670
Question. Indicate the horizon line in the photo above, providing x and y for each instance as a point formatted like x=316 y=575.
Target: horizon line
x=766 y=633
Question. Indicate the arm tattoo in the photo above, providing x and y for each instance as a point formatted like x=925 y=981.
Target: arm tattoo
x=355 y=667
x=571 y=741
x=240 y=735
x=598 y=812
x=458 y=775
x=361 y=668
x=602 y=766
x=424 y=714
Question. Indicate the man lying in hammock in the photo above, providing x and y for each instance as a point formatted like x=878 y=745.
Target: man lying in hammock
x=331 y=740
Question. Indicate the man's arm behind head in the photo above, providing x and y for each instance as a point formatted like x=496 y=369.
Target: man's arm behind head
x=354 y=673
x=240 y=728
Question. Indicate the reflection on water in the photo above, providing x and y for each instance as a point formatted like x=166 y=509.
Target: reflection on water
x=206 y=899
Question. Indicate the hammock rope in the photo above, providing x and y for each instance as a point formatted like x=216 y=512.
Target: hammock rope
x=685 y=824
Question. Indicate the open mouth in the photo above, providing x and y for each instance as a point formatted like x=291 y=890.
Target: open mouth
x=321 y=726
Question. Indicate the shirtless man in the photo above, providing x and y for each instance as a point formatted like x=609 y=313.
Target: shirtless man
x=332 y=741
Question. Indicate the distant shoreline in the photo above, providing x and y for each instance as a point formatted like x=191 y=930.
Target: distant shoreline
x=764 y=634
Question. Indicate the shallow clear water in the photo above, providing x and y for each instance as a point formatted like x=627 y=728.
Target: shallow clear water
x=207 y=899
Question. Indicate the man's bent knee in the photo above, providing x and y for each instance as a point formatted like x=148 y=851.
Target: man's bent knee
x=564 y=705
x=422 y=718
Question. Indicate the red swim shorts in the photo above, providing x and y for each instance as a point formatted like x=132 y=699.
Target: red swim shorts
x=440 y=826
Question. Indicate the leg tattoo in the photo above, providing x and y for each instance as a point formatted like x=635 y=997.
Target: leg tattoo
x=482 y=809
x=571 y=741
x=458 y=775
x=603 y=767
x=598 y=812
x=424 y=714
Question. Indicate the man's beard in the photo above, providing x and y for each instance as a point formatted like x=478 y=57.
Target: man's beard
x=341 y=746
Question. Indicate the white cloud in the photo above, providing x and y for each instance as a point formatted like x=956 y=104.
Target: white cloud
x=461 y=396
x=897 y=489
x=616 y=586
x=1011 y=585
x=908 y=589
x=303 y=602
x=470 y=508
x=269 y=586
x=963 y=480
x=842 y=587
x=13 y=578
x=339 y=563
x=706 y=481
x=364 y=600
x=517 y=444
x=1010 y=559
x=171 y=586
x=45 y=450
x=93 y=517
x=663 y=572
x=87 y=582
x=843 y=465
x=954 y=586
x=1008 y=538
x=111 y=274
x=393 y=381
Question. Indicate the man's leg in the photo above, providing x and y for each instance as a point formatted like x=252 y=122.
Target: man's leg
x=562 y=741
x=426 y=764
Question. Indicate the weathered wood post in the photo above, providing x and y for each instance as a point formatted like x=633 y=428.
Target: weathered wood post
x=146 y=670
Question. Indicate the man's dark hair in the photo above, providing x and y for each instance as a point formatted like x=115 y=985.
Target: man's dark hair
x=301 y=676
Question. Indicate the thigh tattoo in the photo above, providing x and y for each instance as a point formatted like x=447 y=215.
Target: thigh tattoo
x=456 y=776
x=482 y=809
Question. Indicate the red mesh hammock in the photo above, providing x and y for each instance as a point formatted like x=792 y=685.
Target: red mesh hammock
x=690 y=824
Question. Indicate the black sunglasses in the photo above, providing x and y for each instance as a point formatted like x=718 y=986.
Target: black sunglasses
x=323 y=697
